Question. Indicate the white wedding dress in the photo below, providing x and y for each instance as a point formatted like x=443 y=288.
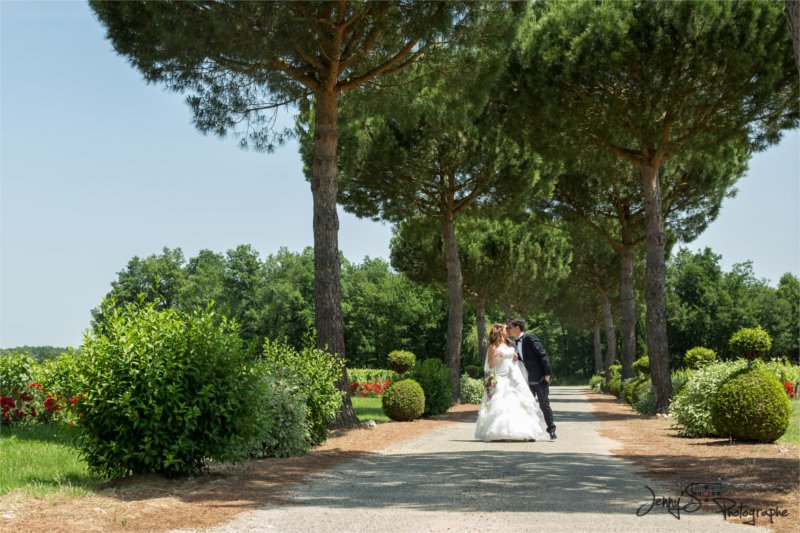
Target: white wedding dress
x=512 y=413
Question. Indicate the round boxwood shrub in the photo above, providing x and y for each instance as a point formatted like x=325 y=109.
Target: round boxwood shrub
x=699 y=357
x=434 y=378
x=471 y=389
x=750 y=343
x=401 y=361
x=165 y=391
x=473 y=371
x=404 y=400
x=751 y=406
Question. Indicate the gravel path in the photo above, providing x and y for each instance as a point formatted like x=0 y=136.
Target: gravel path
x=447 y=481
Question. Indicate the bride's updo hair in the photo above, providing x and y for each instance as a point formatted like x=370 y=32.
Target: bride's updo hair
x=496 y=334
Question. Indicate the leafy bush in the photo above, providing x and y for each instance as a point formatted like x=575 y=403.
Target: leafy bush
x=285 y=429
x=473 y=371
x=596 y=381
x=634 y=388
x=627 y=389
x=751 y=343
x=60 y=375
x=401 y=361
x=646 y=401
x=434 y=378
x=404 y=401
x=751 y=405
x=642 y=366
x=691 y=407
x=17 y=372
x=699 y=357
x=316 y=372
x=471 y=389
x=164 y=391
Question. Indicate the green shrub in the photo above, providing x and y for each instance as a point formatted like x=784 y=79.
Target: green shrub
x=434 y=378
x=60 y=375
x=614 y=386
x=642 y=366
x=751 y=405
x=646 y=399
x=401 y=361
x=691 y=407
x=627 y=389
x=471 y=389
x=751 y=343
x=699 y=357
x=596 y=381
x=679 y=379
x=404 y=401
x=474 y=371
x=285 y=429
x=316 y=372
x=164 y=391
x=16 y=372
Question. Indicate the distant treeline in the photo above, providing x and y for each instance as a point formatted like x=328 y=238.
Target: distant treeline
x=40 y=353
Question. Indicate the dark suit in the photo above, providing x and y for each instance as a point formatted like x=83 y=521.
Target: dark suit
x=536 y=362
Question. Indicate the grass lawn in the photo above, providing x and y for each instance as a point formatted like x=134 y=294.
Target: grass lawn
x=792 y=434
x=369 y=409
x=39 y=459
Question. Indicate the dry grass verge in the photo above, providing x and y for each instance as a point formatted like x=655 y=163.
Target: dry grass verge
x=759 y=476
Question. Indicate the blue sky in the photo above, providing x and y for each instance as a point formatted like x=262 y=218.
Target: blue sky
x=96 y=166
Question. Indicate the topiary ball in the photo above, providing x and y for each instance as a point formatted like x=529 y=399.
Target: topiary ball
x=642 y=366
x=750 y=343
x=699 y=357
x=404 y=401
x=751 y=406
x=401 y=361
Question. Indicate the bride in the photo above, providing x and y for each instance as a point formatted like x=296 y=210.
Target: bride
x=508 y=410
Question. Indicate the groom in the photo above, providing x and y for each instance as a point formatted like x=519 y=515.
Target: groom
x=533 y=356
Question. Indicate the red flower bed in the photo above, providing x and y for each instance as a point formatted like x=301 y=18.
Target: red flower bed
x=369 y=389
x=789 y=389
x=35 y=405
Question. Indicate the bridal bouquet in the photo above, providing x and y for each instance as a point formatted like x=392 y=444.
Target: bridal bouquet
x=489 y=383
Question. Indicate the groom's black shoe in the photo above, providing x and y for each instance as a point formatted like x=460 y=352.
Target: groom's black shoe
x=552 y=433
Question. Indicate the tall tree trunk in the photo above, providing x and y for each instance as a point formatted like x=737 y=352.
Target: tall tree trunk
x=598 y=350
x=480 y=319
x=507 y=313
x=655 y=289
x=455 y=304
x=793 y=13
x=611 y=335
x=327 y=282
x=628 y=306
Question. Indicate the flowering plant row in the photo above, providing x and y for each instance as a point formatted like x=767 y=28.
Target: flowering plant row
x=369 y=389
x=36 y=405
